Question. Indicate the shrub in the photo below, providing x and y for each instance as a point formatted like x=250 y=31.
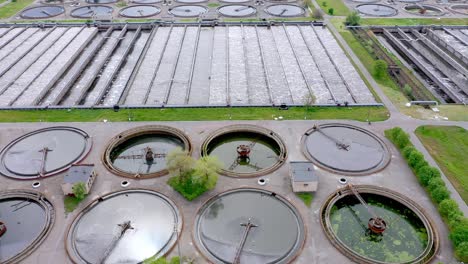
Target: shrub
x=79 y=190
x=408 y=90
x=434 y=183
x=440 y=193
x=380 y=69
x=353 y=19
x=426 y=173
x=407 y=151
x=331 y=11
x=448 y=206
x=462 y=251
x=324 y=4
x=459 y=233
x=416 y=160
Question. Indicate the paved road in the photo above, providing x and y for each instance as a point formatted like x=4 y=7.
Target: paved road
x=398 y=119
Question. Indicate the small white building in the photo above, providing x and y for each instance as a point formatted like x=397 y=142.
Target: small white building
x=78 y=173
x=303 y=177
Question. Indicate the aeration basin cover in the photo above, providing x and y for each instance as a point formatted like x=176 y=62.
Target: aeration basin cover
x=28 y=217
x=44 y=152
x=42 y=12
x=345 y=149
x=124 y=227
x=249 y=226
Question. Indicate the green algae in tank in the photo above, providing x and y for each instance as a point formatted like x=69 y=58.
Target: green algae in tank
x=264 y=151
x=404 y=239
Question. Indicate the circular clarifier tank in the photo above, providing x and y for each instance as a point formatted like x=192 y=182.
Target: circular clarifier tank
x=124 y=227
x=44 y=152
x=146 y=2
x=409 y=237
x=366 y=1
x=234 y=1
x=27 y=217
x=141 y=152
x=410 y=1
x=190 y=1
x=423 y=10
x=246 y=150
x=91 y=11
x=188 y=10
x=101 y=2
x=376 y=10
x=42 y=12
x=345 y=149
x=249 y=226
x=283 y=10
x=237 y=10
x=139 y=11
x=461 y=9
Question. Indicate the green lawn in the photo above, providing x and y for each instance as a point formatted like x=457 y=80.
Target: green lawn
x=339 y=8
x=448 y=145
x=194 y=114
x=13 y=8
x=70 y=203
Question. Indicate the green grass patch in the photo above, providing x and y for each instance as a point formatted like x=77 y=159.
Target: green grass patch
x=448 y=145
x=71 y=203
x=306 y=198
x=413 y=21
x=339 y=8
x=213 y=5
x=194 y=114
x=13 y=8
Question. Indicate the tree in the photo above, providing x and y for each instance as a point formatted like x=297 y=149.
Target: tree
x=380 y=69
x=207 y=168
x=331 y=11
x=179 y=163
x=309 y=100
x=162 y=260
x=353 y=19
x=440 y=193
x=79 y=190
x=317 y=14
